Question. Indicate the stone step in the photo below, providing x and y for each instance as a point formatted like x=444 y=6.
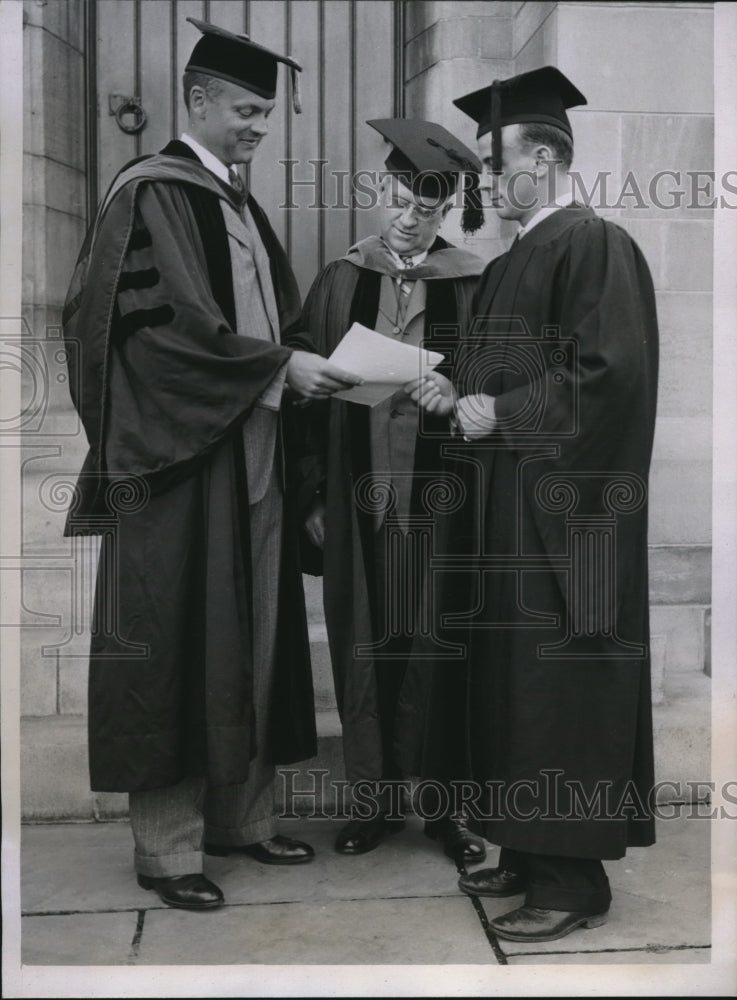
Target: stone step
x=54 y=777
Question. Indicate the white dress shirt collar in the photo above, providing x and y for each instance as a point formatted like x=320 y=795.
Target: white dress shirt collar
x=560 y=202
x=209 y=160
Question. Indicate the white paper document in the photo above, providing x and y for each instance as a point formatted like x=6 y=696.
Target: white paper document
x=383 y=363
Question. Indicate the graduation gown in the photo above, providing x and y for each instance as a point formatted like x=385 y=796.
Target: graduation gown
x=163 y=388
x=550 y=595
x=348 y=291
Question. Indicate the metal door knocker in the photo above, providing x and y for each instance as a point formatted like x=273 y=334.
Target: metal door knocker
x=122 y=105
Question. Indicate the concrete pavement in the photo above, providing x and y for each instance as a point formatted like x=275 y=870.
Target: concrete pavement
x=398 y=905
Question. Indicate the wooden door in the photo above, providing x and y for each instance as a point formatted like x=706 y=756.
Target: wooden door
x=350 y=51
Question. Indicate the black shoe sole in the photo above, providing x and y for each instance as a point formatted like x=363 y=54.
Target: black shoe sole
x=146 y=882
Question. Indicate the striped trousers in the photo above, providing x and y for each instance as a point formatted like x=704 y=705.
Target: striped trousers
x=170 y=824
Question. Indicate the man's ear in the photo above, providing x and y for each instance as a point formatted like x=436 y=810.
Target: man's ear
x=544 y=160
x=446 y=208
x=198 y=101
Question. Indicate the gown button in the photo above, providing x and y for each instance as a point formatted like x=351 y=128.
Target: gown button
x=395 y=330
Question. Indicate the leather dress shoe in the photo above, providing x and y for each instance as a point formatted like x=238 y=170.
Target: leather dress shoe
x=277 y=850
x=457 y=840
x=492 y=882
x=187 y=892
x=361 y=835
x=533 y=924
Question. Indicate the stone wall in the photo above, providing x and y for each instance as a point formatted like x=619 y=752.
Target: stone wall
x=54 y=210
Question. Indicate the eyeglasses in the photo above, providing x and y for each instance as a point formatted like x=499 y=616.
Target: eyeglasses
x=402 y=205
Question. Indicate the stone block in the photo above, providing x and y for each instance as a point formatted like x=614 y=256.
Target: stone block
x=539 y=49
x=688 y=256
x=33 y=281
x=680 y=503
x=657 y=667
x=680 y=493
x=64 y=235
x=683 y=628
x=597 y=166
x=87 y=938
x=347 y=932
x=73 y=677
x=42 y=525
x=110 y=805
x=680 y=574
x=682 y=737
x=707 y=642
x=38 y=677
x=685 y=382
x=33 y=89
x=62 y=76
x=59 y=17
x=51 y=242
x=528 y=20
x=46 y=599
x=54 y=775
x=649 y=235
x=682 y=438
x=462 y=37
x=420 y=16
x=662 y=154
x=626 y=53
x=429 y=95
x=55 y=185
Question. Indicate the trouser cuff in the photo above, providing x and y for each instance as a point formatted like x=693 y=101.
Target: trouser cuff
x=550 y=897
x=168 y=865
x=252 y=833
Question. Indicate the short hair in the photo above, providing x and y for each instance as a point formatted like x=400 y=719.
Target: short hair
x=540 y=134
x=210 y=84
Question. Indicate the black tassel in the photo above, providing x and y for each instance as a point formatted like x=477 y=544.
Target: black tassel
x=473 y=212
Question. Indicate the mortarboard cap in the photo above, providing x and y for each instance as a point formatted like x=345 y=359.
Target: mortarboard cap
x=542 y=95
x=239 y=60
x=431 y=161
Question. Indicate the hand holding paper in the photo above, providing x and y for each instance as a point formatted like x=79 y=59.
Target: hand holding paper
x=383 y=364
x=314 y=377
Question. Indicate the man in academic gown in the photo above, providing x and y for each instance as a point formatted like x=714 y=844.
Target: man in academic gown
x=187 y=319
x=554 y=392
x=410 y=285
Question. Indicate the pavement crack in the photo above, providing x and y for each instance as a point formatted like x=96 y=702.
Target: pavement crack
x=137 y=935
x=650 y=949
x=484 y=921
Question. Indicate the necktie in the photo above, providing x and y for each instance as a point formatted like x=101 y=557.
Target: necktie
x=235 y=181
x=405 y=287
